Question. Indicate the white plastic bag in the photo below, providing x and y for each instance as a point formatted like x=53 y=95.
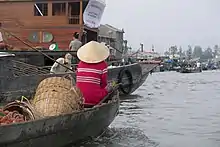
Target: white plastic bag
x=93 y=13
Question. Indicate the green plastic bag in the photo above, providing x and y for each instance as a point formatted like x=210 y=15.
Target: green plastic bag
x=56 y=47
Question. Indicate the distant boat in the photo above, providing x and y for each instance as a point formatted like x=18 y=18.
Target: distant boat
x=191 y=66
x=190 y=70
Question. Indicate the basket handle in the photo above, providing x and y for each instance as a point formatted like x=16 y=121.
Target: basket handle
x=68 y=76
x=74 y=90
x=24 y=98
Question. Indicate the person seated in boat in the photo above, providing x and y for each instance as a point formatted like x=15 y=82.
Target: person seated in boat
x=57 y=68
x=75 y=44
x=91 y=75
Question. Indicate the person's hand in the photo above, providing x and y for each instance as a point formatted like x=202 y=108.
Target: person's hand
x=114 y=83
x=109 y=88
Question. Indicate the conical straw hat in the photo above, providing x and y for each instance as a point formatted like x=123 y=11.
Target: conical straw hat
x=93 y=52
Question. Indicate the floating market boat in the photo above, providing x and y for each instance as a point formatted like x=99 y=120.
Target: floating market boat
x=190 y=70
x=18 y=78
x=46 y=23
x=191 y=66
x=146 y=59
x=42 y=24
x=64 y=129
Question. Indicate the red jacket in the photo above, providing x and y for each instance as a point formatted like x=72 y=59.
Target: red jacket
x=92 y=81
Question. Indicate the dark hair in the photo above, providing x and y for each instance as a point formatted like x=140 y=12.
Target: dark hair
x=76 y=35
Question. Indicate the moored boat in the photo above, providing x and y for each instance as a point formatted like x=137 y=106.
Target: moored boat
x=190 y=70
x=191 y=66
x=47 y=23
x=147 y=59
x=18 y=78
x=64 y=129
x=42 y=24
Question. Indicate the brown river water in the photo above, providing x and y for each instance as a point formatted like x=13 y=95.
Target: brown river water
x=170 y=110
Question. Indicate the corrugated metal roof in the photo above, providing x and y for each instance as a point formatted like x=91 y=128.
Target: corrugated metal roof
x=113 y=28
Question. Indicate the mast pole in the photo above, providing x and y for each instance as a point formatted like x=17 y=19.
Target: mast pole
x=81 y=19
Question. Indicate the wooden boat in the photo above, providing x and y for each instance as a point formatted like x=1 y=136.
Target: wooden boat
x=190 y=66
x=190 y=70
x=41 y=23
x=61 y=130
x=131 y=74
x=18 y=78
x=40 y=32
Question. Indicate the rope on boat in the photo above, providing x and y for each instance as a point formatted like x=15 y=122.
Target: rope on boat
x=20 y=68
x=20 y=72
x=29 y=67
x=33 y=48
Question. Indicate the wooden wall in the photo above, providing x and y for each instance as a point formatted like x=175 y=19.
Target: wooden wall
x=63 y=37
x=24 y=12
x=19 y=19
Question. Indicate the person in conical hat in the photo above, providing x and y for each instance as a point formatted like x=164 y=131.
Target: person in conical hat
x=91 y=76
x=57 y=68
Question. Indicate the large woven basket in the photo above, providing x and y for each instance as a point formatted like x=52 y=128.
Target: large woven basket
x=58 y=83
x=56 y=96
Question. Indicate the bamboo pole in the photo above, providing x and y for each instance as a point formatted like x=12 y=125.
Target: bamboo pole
x=81 y=19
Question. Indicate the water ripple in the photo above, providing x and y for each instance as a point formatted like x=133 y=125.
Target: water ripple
x=177 y=109
x=121 y=137
x=170 y=110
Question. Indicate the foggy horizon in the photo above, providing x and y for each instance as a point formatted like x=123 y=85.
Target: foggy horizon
x=165 y=23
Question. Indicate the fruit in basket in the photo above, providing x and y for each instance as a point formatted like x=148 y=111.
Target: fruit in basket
x=8 y=117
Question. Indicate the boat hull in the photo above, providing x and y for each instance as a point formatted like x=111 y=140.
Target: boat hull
x=13 y=87
x=60 y=130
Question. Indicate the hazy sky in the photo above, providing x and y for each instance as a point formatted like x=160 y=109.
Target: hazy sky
x=166 y=22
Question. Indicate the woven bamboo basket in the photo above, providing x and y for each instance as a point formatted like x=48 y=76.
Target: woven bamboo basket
x=23 y=107
x=58 y=83
x=56 y=95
